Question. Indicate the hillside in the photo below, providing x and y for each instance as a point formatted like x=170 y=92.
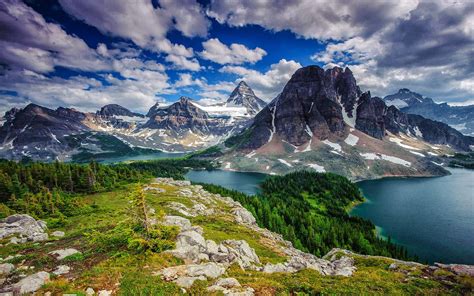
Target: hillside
x=168 y=237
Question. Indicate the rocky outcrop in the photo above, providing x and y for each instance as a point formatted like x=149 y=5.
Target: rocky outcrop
x=63 y=253
x=23 y=228
x=31 y=283
x=207 y=259
x=243 y=96
x=117 y=110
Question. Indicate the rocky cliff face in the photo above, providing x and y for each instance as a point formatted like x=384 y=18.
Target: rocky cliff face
x=320 y=103
x=117 y=110
x=458 y=117
x=243 y=96
x=39 y=129
x=314 y=102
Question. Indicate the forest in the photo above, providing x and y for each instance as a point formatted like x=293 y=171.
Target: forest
x=310 y=210
x=54 y=189
x=307 y=208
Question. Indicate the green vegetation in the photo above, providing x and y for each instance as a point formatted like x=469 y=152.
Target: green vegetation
x=239 y=139
x=309 y=209
x=462 y=160
x=140 y=233
x=54 y=189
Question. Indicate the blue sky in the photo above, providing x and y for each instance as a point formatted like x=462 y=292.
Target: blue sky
x=88 y=53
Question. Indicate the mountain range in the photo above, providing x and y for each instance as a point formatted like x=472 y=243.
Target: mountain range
x=321 y=121
x=458 y=117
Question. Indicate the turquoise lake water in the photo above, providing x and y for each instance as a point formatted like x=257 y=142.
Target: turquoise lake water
x=432 y=217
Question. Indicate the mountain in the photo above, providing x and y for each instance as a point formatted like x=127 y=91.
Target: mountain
x=117 y=110
x=458 y=117
x=321 y=120
x=243 y=96
x=186 y=125
x=38 y=130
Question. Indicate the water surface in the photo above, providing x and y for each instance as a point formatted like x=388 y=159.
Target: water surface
x=241 y=181
x=151 y=156
x=432 y=217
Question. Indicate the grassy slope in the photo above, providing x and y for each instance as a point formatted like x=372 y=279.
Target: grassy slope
x=131 y=274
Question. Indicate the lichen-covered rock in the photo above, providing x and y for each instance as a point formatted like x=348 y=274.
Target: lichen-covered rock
x=239 y=251
x=459 y=269
x=6 y=269
x=63 y=253
x=227 y=282
x=188 y=281
x=31 y=283
x=25 y=227
x=62 y=269
x=182 y=223
x=243 y=216
x=58 y=233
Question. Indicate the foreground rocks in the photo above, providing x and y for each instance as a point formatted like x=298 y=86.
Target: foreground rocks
x=23 y=228
x=31 y=283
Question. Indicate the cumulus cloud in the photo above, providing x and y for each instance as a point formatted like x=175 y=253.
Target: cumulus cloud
x=320 y=19
x=145 y=24
x=269 y=84
x=218 y=52
x=429 y=51
x=29 y=42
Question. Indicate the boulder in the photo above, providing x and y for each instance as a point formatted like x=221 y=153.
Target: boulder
x=227 y=282
x=243 y=216
x=23 y=226
x=58 y=233
x=209 y=270
x=459 y=269
x=6 y=269
x=31 y=283
x=343 y=266
x=63 y=253
x=104 y=293
x=244 y=255
x=190 y=238
x=182 y=223
x=62 y=269
x=90 y=291
x=188 y=281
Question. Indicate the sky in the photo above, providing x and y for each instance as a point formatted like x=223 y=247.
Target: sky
x=86 y=54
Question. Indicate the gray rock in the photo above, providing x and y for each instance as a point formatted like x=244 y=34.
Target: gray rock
x=62 y=269
x=460 y=269
x=23 y=226
x=104 y=293
x=6 y=268
x=58 y=233
x=188 y=281
x=242 y=253
x=344 y=266
x=227 y=282
x=243 y=216
x=209 y=270
x=90 y=291
x=181 y=222
x=63 y=253
x=190 y=238
x=31 y=283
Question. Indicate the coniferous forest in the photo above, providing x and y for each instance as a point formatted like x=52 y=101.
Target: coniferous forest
x=310 y=210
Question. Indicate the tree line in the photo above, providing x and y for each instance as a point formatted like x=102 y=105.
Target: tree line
x=310 y=210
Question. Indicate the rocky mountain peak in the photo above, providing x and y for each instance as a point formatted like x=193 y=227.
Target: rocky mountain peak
x=117 y=110
x=243 y=96
x=405 y=98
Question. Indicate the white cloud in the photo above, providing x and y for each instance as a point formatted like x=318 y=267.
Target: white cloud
x=29 y=42
x=220 y=53
x=320 y=19
x=146 y=25
x=269 y=84
x=429 y=51
x=182 y=63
